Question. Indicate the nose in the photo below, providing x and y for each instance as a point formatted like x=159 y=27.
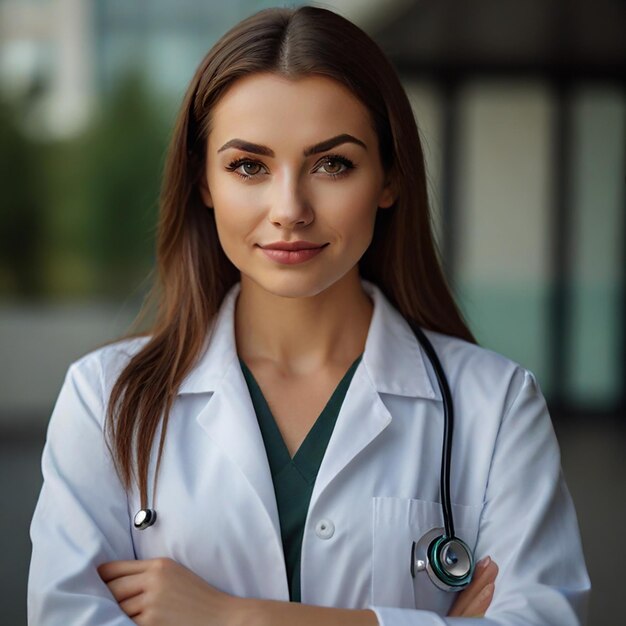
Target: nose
x=289 y=206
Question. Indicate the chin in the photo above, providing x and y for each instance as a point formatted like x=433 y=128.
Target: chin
x=291 y=286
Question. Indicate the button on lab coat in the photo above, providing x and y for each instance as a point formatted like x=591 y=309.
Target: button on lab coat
x=376 y=492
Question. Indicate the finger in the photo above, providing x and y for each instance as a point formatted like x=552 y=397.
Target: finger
x=127 y=586
x=483 y=568
x=485 y=573
x=480 y=603
x=115 y=569
x=134 y=606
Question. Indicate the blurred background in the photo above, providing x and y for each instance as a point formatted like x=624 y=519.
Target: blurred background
x=521 y=107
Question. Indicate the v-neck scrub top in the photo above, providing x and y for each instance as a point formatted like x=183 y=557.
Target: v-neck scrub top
x=294 y=478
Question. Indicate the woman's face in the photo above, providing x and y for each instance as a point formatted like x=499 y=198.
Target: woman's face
x=310 y=172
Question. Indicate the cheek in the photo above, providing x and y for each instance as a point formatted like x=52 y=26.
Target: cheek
x=234 y=209
x=236 y=206
x=234 y=223
x=354 y=213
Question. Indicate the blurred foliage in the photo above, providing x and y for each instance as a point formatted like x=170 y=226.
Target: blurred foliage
x=79 y=216
x=23 y=208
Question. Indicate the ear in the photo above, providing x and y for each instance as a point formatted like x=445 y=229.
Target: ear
x=205 y=194
x=389 y=194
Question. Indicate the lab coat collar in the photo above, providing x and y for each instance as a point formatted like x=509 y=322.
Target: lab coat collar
x=390 y=342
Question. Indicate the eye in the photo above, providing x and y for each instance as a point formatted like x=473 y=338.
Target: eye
x=233 y=166
x=334 y=159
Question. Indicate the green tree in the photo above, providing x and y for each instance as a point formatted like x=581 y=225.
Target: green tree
x=122 y=157
x=23 y=208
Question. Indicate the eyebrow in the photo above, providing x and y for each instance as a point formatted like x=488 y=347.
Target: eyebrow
x=322 y=146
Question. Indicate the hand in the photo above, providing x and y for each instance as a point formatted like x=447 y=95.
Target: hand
x=155 y=592
x=475 y=599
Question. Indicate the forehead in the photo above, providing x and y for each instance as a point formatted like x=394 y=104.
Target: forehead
x=262 y=105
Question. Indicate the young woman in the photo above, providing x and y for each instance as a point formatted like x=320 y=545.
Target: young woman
x=270 y=451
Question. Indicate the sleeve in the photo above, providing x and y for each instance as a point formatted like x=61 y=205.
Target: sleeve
x=81 y=519
x=528 y=526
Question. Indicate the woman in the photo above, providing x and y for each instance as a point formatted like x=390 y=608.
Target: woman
x=280 y=414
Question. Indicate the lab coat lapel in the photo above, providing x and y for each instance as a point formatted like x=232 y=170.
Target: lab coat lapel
x=228 y=417
x=393 y=363
x=362 y=417
x=230 y=421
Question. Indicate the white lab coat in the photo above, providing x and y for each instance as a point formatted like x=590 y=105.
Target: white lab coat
x=376 y=492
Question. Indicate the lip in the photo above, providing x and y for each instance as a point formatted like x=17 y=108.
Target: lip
x=292 y=257
x=292 y=245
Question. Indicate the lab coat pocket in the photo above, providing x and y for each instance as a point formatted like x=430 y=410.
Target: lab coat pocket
x=397 y=522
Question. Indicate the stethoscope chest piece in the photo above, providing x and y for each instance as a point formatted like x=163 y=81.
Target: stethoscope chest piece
x=448 y=561
x=144 y=518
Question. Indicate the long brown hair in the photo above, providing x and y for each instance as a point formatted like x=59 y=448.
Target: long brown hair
x=192 y=271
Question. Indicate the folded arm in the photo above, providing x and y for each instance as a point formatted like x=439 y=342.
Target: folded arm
x=528 y=526
x=81 y=518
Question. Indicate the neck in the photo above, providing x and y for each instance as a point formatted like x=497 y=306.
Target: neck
x=303 y=334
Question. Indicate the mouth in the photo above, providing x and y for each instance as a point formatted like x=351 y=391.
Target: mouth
x=292 y=247
x=292 y=257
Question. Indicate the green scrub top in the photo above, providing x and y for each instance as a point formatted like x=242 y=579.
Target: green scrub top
x=294 y=478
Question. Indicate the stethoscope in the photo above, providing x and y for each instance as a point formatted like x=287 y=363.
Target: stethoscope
x=447 y=560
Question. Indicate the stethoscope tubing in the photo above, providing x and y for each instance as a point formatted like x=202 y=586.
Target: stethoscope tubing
x=448 y=428
x=432 y=551
x=146 y=517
